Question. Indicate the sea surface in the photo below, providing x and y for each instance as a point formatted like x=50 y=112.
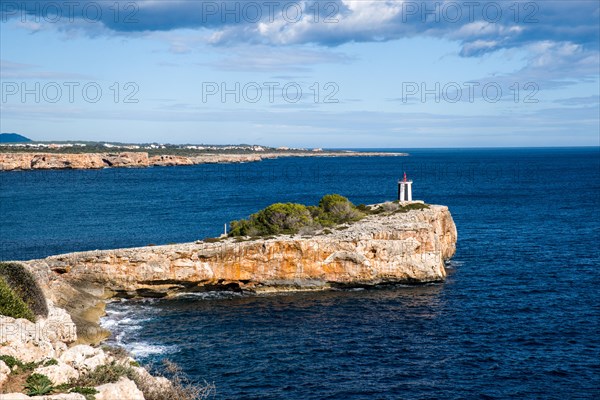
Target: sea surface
x=517 y=318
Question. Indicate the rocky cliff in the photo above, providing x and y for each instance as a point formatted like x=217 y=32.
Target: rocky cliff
x=408 y=247
x=393 y=246
x=29 y=161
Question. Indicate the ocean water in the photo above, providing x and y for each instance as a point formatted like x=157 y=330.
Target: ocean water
x=518 y=317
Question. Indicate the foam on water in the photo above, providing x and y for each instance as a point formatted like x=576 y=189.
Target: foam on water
x=144 y=349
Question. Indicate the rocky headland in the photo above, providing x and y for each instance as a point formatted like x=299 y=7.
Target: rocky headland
x=406 y=247
x=15 y=161
x=399 y=245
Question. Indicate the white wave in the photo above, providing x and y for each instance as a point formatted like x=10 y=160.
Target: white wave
x=209 y=295
x=452 y=264
x=143 y=349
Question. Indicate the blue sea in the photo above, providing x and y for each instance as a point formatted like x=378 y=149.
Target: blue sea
x=517 y=318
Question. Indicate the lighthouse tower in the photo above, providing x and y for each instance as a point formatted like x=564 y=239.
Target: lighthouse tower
x=404 y=190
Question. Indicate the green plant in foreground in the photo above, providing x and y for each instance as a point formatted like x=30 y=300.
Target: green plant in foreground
x=10 y=361
x=11 y=304
x=38 y=385
x=87 y=392
x=109 y=373
x=62 y=388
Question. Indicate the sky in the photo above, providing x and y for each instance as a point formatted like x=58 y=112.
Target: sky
x=330 y=73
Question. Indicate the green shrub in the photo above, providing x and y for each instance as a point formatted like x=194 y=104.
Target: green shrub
x=291 y=218
x=276 y=219
x=412 y=206
x=38 y=385
x=24 y=285
x=12 y=305
x=281 y=218
x=83 y=390
x=87 y=392
x=240 y=228
x=337 y=210
x=50 y=362
x=29 y=366
x=364 y=209
x=62 y=388
x=10 y=361
x=109 y=373
x=329 y=201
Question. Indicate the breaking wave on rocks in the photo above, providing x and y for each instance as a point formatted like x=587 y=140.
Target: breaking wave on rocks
x=125 y=320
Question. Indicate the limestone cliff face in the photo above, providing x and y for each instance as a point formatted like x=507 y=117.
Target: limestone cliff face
x=126 y=159
x=168 y=160
x=403 y=247
x=29 y=161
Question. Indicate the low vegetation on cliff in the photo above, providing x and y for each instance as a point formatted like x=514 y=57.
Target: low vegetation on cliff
x=178 y=386
x=20 y=295
x=292 y=218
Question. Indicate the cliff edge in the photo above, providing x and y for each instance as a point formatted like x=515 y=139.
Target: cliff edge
x=395 y=247
x=23 y=161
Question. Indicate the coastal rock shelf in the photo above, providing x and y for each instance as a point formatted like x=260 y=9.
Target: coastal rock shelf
x=408 y=247
x=31 y=161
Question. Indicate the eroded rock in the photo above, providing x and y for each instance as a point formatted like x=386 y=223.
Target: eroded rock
x=124 y=389
x=58 y=374
x=34 y=342
x=85 y=358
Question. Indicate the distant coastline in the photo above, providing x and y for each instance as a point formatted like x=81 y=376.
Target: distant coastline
x=27 y=158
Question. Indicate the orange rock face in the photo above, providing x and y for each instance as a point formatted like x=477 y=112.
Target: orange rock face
x=406 y=247
x=28 y=161
x=168 y=160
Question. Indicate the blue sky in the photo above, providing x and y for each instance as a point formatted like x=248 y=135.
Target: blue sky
x=371 y=73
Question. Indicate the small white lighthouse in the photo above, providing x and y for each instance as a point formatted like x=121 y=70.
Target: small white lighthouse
x=404 y=190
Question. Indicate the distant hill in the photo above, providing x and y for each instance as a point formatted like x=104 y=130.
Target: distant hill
x=13 y=138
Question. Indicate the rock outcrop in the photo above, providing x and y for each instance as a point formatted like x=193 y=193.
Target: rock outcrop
x=45 y=344
x=401 y=247
x=169 y=160
x=30 y=161
x=127 y=159
x=123 y=389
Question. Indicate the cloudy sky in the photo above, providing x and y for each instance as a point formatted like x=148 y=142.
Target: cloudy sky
x=331 y=73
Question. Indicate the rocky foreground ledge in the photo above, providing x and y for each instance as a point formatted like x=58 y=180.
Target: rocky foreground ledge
x=49 y=348
x=35 y=161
